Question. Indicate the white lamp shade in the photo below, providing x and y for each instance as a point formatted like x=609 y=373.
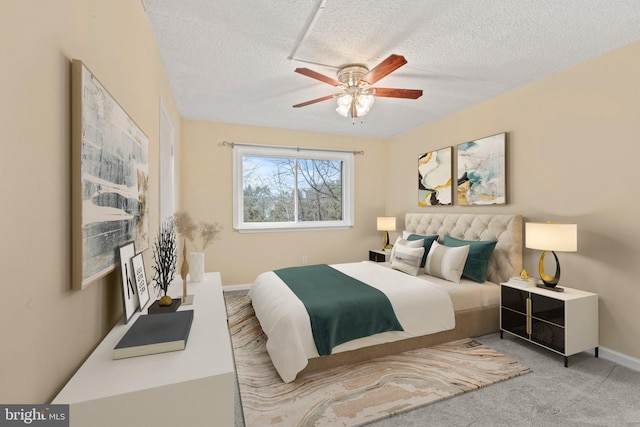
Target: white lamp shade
x=386 y=223
x=551 y=237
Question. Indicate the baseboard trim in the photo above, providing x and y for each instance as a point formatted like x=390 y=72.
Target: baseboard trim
x=235 y=288
x=619 y=358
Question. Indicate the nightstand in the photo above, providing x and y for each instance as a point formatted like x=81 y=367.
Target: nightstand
x=380 y=255
x=563 y=322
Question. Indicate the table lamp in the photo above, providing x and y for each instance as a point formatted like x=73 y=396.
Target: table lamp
x=386 y=224
x=551 y=237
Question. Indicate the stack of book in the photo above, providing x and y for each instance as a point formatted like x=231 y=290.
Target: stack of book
x=523 y=283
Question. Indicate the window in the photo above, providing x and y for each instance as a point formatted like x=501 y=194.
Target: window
x=287 y=188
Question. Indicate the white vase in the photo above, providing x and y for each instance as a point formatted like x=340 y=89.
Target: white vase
x=196 y=266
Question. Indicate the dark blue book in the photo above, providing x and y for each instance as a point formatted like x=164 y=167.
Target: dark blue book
x=155 y=333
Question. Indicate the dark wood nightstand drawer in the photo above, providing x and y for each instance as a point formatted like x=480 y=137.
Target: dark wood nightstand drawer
x=549 y=309
x=378 y=256
x=515 y=299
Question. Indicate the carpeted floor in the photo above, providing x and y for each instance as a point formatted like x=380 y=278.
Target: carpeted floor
x=590 y=392
x=358 y=393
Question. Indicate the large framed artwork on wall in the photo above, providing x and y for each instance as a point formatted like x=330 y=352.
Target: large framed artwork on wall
x=482 y=171
x=434 y=178
x=110 y=175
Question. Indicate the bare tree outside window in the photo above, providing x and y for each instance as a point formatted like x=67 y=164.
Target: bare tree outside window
x=271 y=186
x=319 y=190
x=292 y=188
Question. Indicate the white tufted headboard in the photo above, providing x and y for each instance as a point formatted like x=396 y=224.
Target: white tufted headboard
x=507 y=230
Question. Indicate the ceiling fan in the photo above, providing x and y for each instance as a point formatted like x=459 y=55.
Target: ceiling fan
x=356 y=80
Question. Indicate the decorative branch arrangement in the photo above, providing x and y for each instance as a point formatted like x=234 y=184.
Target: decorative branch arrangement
x=165 y=257
x=186 y=226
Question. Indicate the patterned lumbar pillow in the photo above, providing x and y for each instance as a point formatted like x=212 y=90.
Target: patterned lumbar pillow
x=428 y=240
x=406 y=258
x=446 y=263
x=405 y=242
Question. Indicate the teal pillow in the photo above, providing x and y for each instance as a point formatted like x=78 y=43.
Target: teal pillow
x=428 y=241
x=479 y=255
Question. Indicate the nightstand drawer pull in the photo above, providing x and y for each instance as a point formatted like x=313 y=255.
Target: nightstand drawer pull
x=528 y=316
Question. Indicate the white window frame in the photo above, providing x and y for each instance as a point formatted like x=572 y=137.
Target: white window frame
x=240 y=151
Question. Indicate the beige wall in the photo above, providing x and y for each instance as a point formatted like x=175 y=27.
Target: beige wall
x=207 y=195
x=573 y=153
x=47 y=330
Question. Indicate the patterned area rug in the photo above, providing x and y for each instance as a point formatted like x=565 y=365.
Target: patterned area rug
x=358 y=393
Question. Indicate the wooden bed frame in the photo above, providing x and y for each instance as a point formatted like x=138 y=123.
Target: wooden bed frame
x=506 y=262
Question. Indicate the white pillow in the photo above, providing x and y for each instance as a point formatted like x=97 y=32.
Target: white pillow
x=446 y=262
x=409 y=243
x=406 y=258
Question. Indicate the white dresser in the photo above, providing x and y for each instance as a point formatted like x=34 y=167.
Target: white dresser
x=192 y=387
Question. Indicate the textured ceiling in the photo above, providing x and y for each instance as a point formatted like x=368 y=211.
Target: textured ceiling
x=231 y=60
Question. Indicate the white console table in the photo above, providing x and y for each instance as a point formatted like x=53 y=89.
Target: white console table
x=192 y=387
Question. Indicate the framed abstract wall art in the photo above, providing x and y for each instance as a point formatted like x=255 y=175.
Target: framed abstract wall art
x=137 y=263
x=434 y=178
x=130 y=298
x=482 y=171
x=110 y=174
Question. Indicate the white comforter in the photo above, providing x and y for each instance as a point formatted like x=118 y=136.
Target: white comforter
x=421 y=307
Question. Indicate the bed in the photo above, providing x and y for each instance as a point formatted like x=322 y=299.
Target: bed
x=456 y=310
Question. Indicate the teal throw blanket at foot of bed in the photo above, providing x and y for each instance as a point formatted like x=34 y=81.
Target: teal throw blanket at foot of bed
x=340 y=307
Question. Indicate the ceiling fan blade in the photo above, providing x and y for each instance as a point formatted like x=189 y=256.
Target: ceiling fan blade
x=386 y=67
x=313 y=101
x=398 y=93
x=315 y=75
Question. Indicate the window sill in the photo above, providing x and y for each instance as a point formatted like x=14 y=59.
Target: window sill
x=287 y=229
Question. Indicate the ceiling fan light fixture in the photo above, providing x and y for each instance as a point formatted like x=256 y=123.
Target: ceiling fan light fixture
x=355 y=81
x=363 y=103
x=344 y=104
